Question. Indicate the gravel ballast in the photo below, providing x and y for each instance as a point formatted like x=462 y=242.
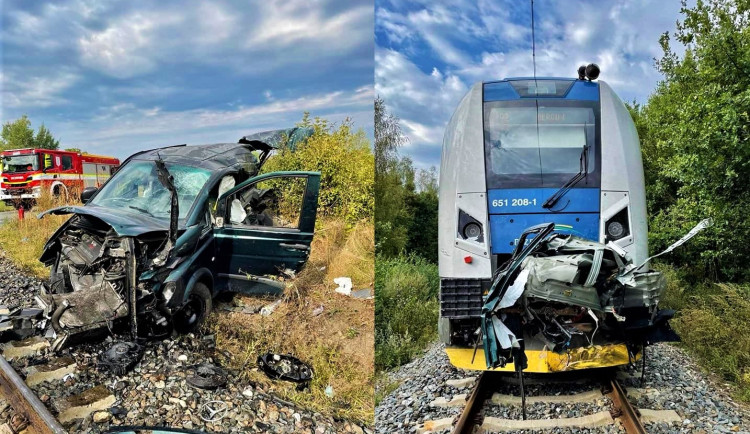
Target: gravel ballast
x=155 y=392
x=673 y=382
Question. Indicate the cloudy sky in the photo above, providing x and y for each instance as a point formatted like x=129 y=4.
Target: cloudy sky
x=428 y=55
x=115 y=77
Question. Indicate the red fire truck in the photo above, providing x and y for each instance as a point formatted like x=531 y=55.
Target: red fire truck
x=28 y=172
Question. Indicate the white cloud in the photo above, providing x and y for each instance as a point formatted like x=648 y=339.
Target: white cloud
x=121 y=50
x=491 y=40
x=216 y=23
x=251 y=39
x=126 y=125
x=35 y=90
x=293 y=22
x=406 y=88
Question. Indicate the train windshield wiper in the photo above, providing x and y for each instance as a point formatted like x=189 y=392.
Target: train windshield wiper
x=582 y=173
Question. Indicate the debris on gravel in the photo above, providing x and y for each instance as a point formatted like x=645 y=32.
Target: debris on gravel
x=673 y=382
x=156 y=392
x=17 y=289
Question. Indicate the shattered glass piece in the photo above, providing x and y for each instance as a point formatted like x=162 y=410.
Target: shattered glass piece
x=290 y=137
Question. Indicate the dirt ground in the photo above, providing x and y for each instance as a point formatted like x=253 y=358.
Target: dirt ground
x=332 y=332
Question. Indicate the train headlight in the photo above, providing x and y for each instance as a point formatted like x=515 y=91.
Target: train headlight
x=615 y=230
x=472 y=230
x=617 y=226
x=469 y=228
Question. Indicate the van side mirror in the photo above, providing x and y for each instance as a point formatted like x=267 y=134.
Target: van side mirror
x=87 y=193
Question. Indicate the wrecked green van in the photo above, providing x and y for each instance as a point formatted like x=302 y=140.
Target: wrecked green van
x=173 y=228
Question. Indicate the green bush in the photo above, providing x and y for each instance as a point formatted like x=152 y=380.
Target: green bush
x=406 y=308
x=712 y=320
x=345 y=161
x=694 y=134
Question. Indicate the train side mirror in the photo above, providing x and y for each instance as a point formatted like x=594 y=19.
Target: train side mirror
x=87 y=193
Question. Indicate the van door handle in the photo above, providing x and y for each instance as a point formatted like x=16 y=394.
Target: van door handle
x=295 y=246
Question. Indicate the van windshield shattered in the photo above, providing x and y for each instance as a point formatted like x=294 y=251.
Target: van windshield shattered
x=136 y=186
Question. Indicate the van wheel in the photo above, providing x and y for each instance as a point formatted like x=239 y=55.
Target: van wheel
x=195 y=311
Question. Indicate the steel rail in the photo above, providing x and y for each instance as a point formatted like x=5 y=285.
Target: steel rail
x=24 y=401
x=627 y=414
x=468 y=419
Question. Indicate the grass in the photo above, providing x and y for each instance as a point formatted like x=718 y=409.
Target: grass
x=22 y=241
x=337 y=343
x=406 y=312
x=713 y=320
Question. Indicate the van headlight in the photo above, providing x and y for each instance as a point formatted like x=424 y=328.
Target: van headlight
x=168 y=291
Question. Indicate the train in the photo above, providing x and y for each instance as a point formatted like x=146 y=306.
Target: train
x=543 y=242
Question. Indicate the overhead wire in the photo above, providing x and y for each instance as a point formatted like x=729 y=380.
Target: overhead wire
x=536 y=91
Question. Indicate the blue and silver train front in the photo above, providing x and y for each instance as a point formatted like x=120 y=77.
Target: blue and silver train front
x=520 y=152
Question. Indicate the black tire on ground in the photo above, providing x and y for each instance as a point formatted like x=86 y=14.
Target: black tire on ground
x=195 y=311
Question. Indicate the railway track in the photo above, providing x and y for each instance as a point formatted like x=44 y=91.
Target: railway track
x=473 y=417
x=30 y=414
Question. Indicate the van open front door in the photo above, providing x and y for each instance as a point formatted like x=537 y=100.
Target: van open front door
x=264 y=229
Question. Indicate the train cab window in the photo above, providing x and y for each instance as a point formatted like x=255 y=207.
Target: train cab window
x=67 y=162
x=542 y=145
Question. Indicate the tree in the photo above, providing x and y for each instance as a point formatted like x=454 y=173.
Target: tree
x=391 y=215
x=695 y=132
x=345 y=161
x=406 y=201
x=73 y=150
x=19 y=134
x=44 y=139
x=423 y=207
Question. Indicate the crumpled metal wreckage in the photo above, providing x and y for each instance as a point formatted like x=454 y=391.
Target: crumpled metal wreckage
x=573 y=295
x=148 y=250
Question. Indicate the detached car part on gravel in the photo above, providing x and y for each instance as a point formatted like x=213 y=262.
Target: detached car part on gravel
x=170 y=230
x=286 y=367
x=572 y=293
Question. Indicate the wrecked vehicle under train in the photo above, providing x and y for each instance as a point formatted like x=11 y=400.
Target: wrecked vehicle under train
x=173 y=228
x=565 y=293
